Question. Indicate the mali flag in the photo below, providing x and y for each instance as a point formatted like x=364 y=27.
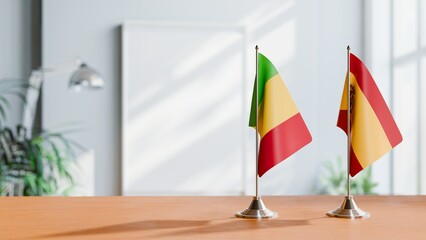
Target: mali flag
x=373 y=129
x=281 y=127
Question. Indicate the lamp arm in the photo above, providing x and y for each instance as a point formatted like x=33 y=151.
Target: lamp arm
x=31 y=100
x=33 y=93
x=83 y=75
x=47 y=71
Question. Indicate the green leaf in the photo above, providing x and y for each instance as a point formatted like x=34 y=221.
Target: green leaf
x=30 y=182
x=4 y=101
x=2 y=113
x=20 y=95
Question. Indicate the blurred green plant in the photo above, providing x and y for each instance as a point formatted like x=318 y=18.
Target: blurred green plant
x=40 y=165
x=334 y=177
x=35 y=166
x=10 y=87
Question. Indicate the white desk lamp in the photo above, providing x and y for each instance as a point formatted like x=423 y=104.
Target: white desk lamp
x=82 y=76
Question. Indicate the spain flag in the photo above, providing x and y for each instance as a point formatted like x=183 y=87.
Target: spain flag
x=281 y=127
x=373 y=129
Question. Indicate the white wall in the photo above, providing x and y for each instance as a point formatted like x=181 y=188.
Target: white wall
x=340 y=23
x=394 y=54
x=378 y=56
x=15 y=47
x=305 y=39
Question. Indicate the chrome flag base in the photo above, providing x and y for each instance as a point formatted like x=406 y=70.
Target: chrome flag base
x=257 y=209
x=348 y=209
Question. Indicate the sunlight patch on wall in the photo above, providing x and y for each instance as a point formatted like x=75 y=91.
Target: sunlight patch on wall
x=216 y=44
x=265 y=13
x=406 y=116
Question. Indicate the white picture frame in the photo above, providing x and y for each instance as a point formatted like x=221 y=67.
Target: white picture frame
x=201 y=59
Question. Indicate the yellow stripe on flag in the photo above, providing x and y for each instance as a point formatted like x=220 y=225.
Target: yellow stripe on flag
x=369 y=140
x=277 y=105
x=344 y=101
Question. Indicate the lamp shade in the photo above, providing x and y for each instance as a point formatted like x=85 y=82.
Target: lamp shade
x=86 y=77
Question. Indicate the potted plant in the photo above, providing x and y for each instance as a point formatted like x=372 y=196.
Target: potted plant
x=32 y=166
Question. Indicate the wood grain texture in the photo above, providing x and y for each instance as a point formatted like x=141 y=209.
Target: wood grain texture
x=300 y=217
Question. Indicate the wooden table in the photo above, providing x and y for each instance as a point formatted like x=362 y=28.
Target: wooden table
x=302 y=217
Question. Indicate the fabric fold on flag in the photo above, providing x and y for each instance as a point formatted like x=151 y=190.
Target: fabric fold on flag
x=373 y=129
x=281 y=127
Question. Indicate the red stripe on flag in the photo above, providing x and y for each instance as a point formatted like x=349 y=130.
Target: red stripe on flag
x=372 y=93
x=342 y=120
x=355 y=167
x=282 y=141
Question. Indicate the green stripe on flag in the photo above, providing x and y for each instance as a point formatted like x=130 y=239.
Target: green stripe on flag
x=266 y=71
